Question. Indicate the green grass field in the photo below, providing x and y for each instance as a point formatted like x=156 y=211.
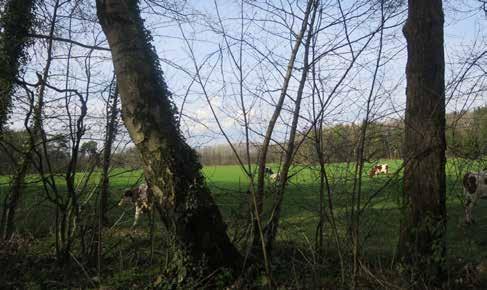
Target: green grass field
x=379 y=222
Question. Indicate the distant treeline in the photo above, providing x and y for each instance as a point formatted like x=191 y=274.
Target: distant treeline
x=466 y=137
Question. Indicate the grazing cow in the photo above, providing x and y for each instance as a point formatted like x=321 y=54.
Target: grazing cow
x=474 y=188
x=379 y=169
x=141 y=197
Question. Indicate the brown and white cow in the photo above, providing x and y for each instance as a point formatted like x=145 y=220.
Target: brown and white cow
x=141 y=197
x=474 y=188
x=379 y=169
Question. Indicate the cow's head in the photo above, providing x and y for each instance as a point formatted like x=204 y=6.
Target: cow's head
x=470 y=182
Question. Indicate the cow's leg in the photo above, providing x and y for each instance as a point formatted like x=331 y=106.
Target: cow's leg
x=138 y=210
x=470 y=201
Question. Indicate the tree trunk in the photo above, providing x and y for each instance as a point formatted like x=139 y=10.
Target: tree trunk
x=422 y=235
x=15 y=23
x=171 y=166
x=7 y=225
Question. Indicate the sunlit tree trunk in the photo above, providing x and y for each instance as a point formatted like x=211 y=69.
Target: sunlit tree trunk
x=171 y=166
x=271 y=227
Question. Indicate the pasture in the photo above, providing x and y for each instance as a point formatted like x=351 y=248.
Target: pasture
x=300 y=215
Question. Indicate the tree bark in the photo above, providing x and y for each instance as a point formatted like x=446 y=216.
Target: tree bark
x=422 y=234
x=171 y=167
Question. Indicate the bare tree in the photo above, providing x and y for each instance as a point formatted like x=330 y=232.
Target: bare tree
x=259 y=241
x=272 y=226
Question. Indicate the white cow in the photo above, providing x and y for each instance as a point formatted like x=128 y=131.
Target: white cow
x=474 y=188
x=141 y=197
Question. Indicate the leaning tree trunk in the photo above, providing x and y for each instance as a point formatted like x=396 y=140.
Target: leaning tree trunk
x=422 y=237
x=171 y=166
x=15 y=22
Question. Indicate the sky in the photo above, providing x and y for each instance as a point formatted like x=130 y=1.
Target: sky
x=265 y=53
x=465 y=24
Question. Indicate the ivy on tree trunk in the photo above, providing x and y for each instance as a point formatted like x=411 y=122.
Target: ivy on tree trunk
x=15 y=23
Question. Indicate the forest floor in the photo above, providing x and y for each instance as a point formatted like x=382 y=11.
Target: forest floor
x=132 y=259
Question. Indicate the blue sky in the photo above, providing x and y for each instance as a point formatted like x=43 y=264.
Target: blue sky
x=465 y=25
